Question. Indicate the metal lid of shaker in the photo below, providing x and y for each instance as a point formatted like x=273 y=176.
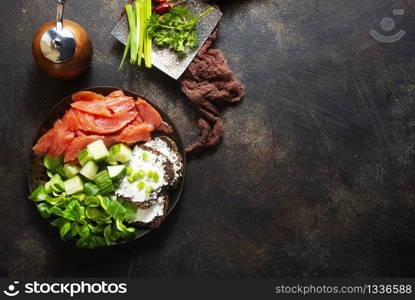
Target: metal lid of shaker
x=58 y=44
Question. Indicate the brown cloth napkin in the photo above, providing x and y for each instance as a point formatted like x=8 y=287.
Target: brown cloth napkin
x=210 y=83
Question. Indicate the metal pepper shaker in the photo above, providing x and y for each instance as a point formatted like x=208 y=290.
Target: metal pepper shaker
x=62 y=48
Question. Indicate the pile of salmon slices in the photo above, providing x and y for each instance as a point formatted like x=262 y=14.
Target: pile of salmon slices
x=113 y=119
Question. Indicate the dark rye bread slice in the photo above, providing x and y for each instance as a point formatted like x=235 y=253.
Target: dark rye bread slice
x=168 y=177
x=167 y=164
x=172 y=146
x=156 y=221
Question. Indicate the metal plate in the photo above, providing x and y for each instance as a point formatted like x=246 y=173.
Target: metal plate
x=165 y=59
x=37 y=173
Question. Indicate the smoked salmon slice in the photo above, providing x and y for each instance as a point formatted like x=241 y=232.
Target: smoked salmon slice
x=135 y=132
x=120 y=104
x=105 y=107
x=64 y=134
x=100 y=124
x=86 y=96
x=45 y=141
x=56 y=140
x=112 y=119
x=165 y=128
x=116 y=94
x=148 y=114
x=92 y=107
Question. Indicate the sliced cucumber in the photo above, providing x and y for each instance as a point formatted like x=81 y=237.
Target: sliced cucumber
x=51 y=163
x=111 y=162
x=98 y=150
x=104 y=182
x=120 y=152
x=84 y=156
x=70 y=170
x=73 y=185
x=116 y=172
x=89 y=170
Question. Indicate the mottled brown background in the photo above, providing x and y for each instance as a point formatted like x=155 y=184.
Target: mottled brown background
x=315 y=176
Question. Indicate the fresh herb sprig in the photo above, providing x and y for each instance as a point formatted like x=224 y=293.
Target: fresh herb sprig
x=175 y=29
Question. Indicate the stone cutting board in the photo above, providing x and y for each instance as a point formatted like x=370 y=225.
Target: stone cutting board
x=165 y=59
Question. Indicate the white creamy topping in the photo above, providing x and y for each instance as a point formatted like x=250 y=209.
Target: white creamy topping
x=137 y=162
x=164 y=148
x=149 y=214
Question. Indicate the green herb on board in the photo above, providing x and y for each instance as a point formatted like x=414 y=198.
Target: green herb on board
x=176 y=29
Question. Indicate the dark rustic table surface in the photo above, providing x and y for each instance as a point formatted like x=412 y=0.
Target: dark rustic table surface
x=315 y=176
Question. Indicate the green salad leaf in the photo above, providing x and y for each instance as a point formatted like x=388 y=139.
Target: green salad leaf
x=44 y=210
x=64 y=229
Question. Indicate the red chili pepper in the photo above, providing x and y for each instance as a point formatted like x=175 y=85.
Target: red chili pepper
x=165 y=7
x=162 y=8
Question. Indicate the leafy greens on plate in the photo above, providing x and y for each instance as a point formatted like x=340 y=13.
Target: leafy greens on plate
x=84 y=212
